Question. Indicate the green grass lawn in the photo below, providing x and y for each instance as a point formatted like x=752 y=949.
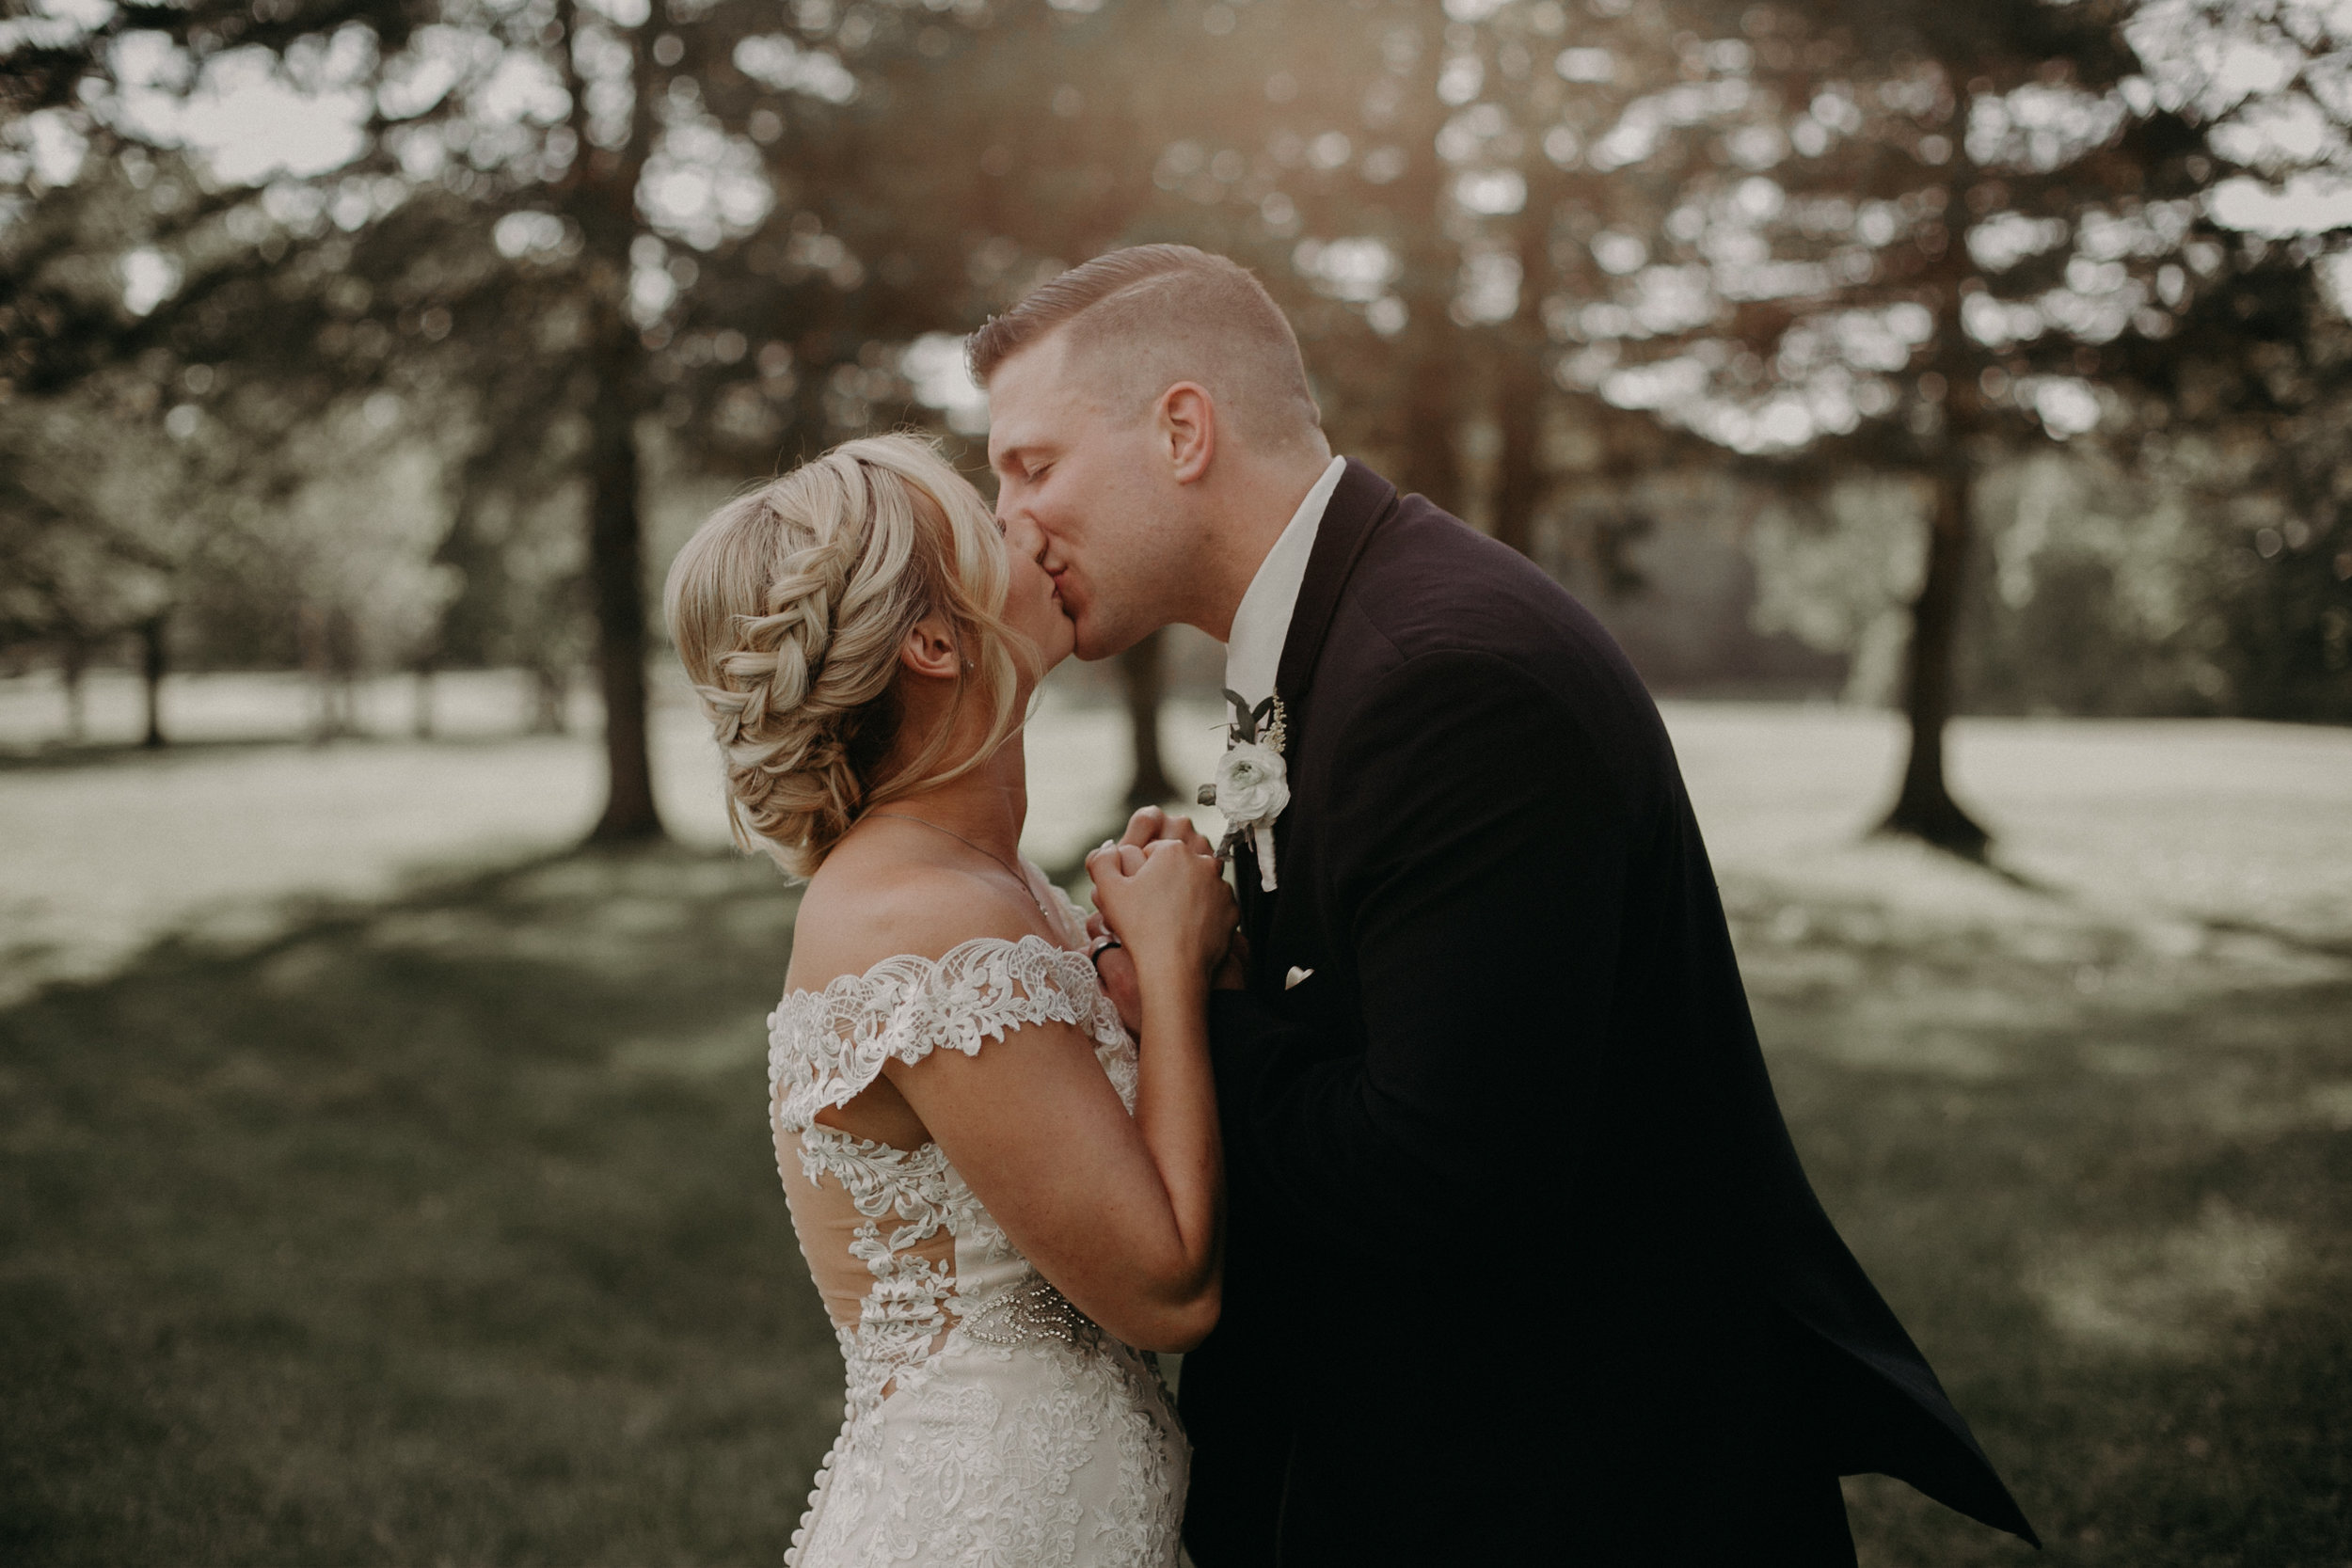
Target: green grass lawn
x=447 y=1230
x=443 y=1233
x=2107 y=1182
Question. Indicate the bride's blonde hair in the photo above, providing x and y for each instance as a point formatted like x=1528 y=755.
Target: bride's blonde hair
x=788 y=606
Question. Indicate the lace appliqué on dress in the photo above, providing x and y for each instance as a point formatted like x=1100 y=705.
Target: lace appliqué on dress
x=903 y=1315
x=825 y=1046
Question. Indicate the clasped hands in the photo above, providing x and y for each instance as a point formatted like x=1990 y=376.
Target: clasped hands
x=1123 y=858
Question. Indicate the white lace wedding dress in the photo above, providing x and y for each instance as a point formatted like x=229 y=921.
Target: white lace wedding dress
x=990 y=1421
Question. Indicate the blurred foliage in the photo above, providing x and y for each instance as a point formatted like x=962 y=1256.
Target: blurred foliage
x=2098 y=589
x=460 y=283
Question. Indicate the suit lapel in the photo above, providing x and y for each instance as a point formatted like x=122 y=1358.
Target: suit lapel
x=1361 y=500
x=1360 y=503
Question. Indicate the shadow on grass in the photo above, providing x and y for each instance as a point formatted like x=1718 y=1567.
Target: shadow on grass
x=442 y=1231
x=1983 y=858
x=60 y=756
x=2109 y=1189
x=446 y=1229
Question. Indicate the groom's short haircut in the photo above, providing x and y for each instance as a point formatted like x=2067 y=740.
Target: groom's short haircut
x=1144 y=318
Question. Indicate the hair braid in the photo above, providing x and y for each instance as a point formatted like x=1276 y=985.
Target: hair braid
x=788 y=606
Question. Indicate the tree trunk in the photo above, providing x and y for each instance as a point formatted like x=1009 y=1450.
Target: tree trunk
x=1519 y=413
x=420 y=715
x=1144 y=670
x=1428 y=351
x=551 y=693
x=616 y=572
x=1430 y=359
x=1925 y=808
x=601 y=191
x=342 y=664
x=1433 y=467
x=72 y=666
x=153 y=664
x=310 y=633
x=1521 y=383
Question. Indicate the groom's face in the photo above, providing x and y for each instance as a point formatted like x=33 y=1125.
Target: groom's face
x=1079 y=468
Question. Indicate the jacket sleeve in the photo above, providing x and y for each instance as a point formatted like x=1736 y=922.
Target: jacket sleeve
x=1478 y=844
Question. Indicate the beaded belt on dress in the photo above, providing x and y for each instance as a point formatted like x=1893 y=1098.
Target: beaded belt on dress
x=1029 y=1312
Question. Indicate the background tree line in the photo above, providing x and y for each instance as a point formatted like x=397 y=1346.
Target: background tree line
x=369 y=333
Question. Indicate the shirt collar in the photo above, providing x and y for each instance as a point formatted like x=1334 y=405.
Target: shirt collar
x=1263 y=623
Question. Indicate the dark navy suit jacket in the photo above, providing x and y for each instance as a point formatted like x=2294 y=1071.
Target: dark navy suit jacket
x=1522 y=1266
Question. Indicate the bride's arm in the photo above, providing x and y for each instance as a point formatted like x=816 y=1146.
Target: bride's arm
x=1123 y=1214
x=1173 y=914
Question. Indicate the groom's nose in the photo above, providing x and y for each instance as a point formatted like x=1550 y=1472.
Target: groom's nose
x=1022 y=533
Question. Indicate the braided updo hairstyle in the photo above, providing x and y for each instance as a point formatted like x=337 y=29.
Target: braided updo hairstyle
x=788 y=606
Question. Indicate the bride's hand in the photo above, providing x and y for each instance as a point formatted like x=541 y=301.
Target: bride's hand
x=1167 y=903
x=1116 y=968
x=1149 y=824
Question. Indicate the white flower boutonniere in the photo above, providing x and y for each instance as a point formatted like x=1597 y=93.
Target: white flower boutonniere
x=1252 y=782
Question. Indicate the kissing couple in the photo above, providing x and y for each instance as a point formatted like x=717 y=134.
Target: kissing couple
x=1438 y=1140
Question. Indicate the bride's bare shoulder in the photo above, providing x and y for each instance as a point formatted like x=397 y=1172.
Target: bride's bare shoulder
x=869 y=902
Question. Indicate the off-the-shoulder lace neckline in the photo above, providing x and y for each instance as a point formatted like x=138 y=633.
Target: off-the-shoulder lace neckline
x=842 y=985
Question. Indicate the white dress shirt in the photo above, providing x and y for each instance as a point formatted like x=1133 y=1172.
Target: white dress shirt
x=1262 y=625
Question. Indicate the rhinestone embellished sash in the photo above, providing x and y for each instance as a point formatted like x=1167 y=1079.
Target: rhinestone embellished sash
x=1029 y=1312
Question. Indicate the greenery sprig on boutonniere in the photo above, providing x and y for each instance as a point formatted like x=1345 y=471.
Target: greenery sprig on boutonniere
x=1253 y=781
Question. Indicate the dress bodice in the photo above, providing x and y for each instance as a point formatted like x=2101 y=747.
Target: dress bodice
x=901 y=1248
x=988 y=1420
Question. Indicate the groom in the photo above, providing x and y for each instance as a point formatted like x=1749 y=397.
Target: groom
x=1522 y=1264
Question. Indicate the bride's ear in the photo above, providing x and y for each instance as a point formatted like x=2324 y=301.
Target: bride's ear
x=930 y=649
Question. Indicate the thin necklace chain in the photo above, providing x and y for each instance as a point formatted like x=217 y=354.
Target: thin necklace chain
x=1017 y=875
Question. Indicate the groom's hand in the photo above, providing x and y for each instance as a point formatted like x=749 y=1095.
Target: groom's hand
x=1233 y=971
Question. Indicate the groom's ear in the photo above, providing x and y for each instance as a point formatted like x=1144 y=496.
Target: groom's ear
x=1186 y=418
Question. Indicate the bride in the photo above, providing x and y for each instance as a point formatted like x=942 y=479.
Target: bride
x=1007 y=1199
